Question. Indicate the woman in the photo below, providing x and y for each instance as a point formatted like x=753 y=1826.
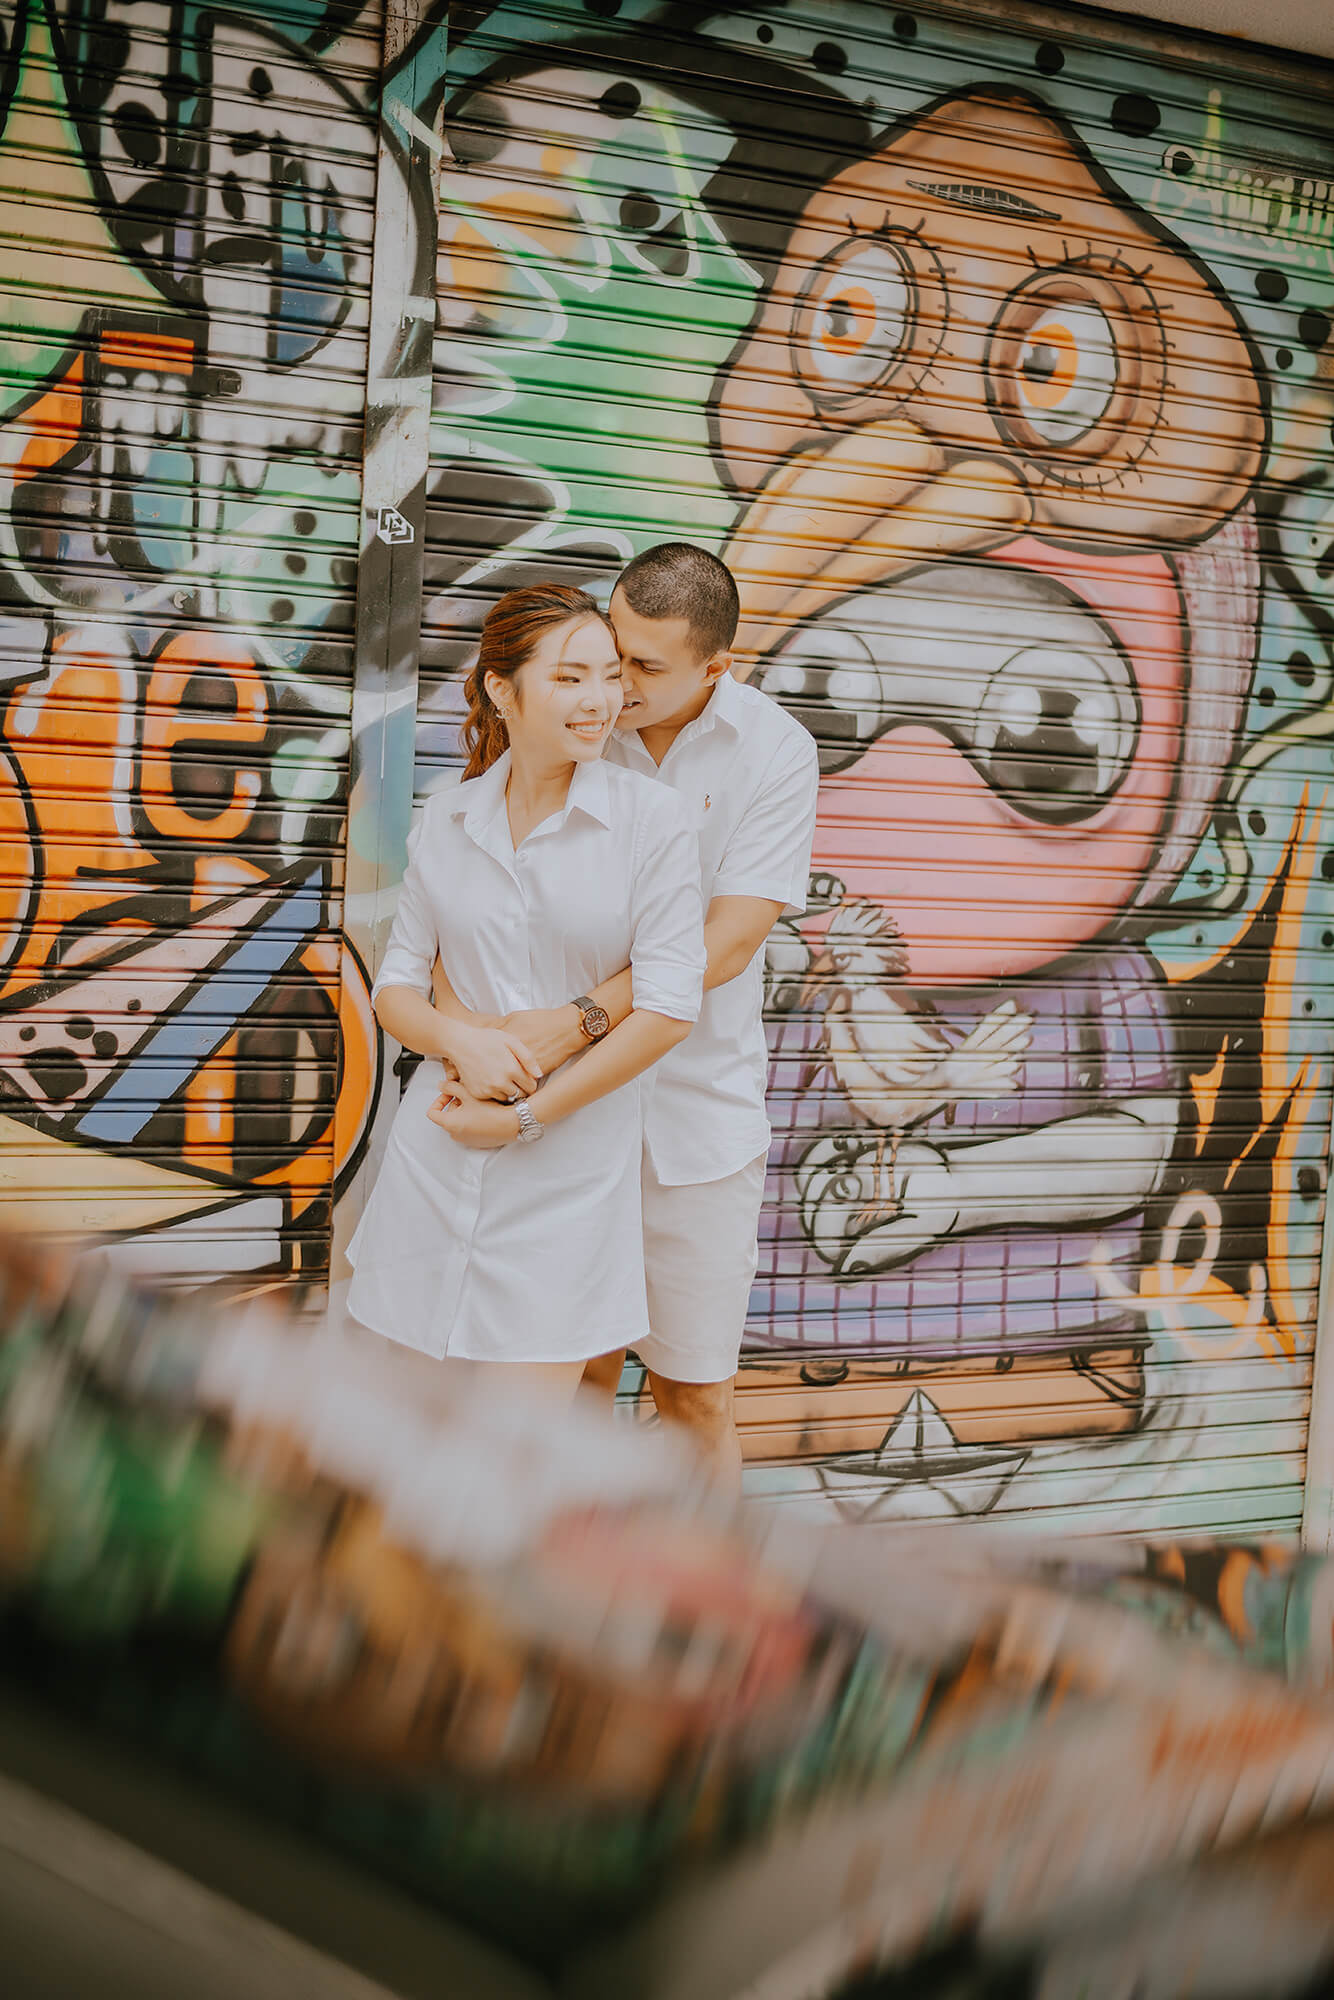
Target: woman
x=509 y=1232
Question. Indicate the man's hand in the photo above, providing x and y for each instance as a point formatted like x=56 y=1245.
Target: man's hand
x=493 y=1063
x=551 y=1034
x=472 y=1122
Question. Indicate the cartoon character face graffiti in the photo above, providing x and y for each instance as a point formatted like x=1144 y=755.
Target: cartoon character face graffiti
x=1030 y=311
x=968 y=424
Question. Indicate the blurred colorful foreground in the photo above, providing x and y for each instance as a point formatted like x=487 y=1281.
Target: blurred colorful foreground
x=527 y=1664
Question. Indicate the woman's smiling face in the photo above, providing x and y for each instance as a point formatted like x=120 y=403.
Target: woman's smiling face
x=562 y=704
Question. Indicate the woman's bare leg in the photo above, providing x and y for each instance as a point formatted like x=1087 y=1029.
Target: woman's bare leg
x=559 y=1379
x=603 y=1373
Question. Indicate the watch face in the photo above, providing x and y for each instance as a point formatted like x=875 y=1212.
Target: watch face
x=596 y=1023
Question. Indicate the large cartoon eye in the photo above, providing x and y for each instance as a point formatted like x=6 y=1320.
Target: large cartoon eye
x=1074 y=366
x=855 y=317
x=1055 y=731
x=1066 y=371
x=828 y=680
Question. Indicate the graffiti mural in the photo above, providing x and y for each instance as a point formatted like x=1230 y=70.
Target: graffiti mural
x=1006 y=391
x=186 y=1053
x=1005 y=384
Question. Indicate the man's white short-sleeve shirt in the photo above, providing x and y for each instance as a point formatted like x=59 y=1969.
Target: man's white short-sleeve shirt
x=749 y=776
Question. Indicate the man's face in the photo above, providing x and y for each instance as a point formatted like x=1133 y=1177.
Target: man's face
x=664 y=678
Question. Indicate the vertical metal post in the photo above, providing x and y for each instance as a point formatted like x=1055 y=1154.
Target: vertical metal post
x=395 y=466
x=1318 y=1498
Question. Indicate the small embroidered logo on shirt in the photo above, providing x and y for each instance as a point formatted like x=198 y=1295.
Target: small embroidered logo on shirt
x=707 y=802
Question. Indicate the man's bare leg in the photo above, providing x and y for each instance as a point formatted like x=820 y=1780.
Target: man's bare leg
x=708 y=1411
x=603 y=1373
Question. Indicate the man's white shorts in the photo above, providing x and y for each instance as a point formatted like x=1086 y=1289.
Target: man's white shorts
x=700 y=1252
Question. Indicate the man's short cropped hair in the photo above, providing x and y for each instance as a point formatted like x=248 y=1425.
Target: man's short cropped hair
x=677 y=580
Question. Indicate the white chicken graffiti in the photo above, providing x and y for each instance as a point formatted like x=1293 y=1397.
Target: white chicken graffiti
x=896 y=1061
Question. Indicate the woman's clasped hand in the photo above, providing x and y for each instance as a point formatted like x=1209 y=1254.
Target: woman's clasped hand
x=473 y=1121
x=492 y=1063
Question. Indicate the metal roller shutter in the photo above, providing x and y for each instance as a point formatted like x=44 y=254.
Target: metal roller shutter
x=186 y=200
x=992 y=347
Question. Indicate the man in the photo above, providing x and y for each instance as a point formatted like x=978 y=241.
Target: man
x=750 y=775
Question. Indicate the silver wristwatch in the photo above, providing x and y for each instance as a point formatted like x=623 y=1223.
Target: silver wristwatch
x=529 y=1128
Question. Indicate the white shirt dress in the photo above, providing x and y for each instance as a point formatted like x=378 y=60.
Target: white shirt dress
x=529 y=1252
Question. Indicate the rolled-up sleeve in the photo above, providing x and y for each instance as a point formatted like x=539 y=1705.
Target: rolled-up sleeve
x=413 y=940
x=769 y=853
x=667 y=957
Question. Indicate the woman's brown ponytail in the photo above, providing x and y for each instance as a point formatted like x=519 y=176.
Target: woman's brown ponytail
x=515 y=626
x=484 y=735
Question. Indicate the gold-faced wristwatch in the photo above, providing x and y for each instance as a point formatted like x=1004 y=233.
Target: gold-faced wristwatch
x=594 y=1021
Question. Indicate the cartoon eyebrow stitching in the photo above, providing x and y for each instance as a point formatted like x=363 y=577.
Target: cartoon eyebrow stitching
x=992 y=200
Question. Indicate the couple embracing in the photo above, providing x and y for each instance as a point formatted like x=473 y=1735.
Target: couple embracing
x=578 y=1165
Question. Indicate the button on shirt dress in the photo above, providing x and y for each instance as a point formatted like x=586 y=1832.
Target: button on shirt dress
x=529 y=1252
